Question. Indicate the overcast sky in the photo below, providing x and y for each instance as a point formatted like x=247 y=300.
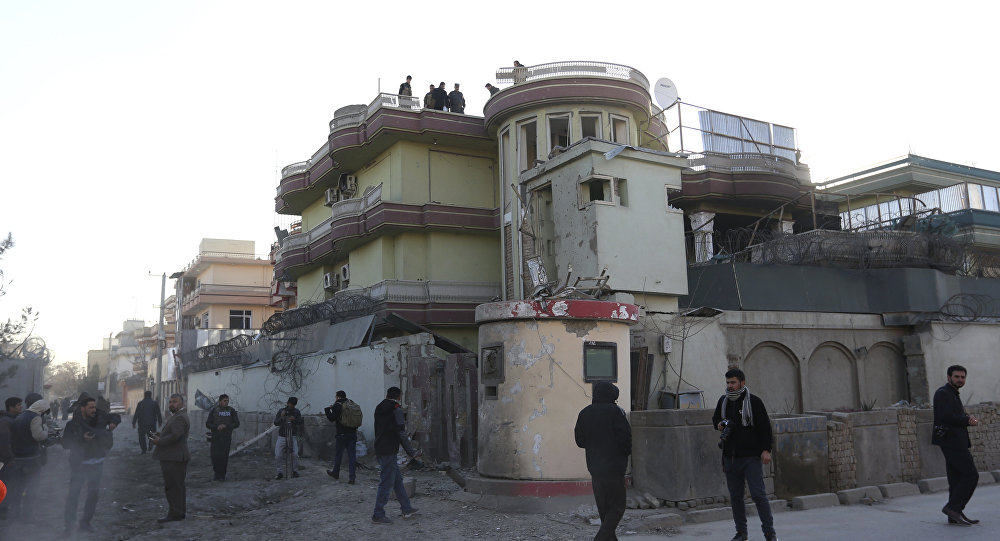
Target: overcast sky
x=130 y=130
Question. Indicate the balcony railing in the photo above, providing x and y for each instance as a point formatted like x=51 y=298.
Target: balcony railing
x=745 y=162
x=347 y=207
x=295 y=168
x=891 y=208
x=193 y=299
x=569 y=69
x=201 y=257
x=395 y=101
x=350 y=115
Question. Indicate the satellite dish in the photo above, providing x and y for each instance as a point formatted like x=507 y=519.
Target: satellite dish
x=665 y=93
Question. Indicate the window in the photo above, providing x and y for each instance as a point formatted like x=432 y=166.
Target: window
x=595 y=188
x=527 y=145
x=600 y=361
x=491 y=366
x=204 y=320
x=558 y=131
x=590 y=126
x=621 y=190
x=619 y=130
x=239 y=319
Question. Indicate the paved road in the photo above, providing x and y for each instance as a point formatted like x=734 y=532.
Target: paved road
x=913 y=518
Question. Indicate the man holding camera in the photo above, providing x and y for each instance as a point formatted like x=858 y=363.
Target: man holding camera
x=289 y=422
x=746 y=449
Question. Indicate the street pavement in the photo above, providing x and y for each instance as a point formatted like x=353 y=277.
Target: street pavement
x=913 y=518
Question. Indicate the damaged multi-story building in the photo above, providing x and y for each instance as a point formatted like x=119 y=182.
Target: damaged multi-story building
x=703 y=227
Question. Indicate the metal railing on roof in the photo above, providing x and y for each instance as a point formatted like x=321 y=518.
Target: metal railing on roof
x=569 y=69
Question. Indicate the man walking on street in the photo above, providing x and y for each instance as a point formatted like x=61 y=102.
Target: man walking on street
x=8 y=474
x=347 y=434
x=172 y=452
x=746 y=448
x=604 y=431
x=289 y=422
x=147 y=416
x=951 y=433
x=390 y=433
x=88 y=442
x=222 y=420
x=456 y=101
x=27 y=434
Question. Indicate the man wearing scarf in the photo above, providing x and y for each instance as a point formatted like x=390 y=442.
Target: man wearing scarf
x=745 y=451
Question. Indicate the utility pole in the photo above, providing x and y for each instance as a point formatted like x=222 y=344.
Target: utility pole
x=161 y=339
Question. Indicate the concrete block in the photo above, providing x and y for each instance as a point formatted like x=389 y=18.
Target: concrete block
x=996 y=475
x=662 y=521
x=410 y=484
x=934 y=484
x=777 y=506
x=814 y=501
x=986 y=478
x=898 y=490
x=854 y=496
x=710 y=515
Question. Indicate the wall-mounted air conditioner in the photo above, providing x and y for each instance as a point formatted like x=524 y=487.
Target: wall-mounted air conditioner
x=345 y=273
x=331 y=280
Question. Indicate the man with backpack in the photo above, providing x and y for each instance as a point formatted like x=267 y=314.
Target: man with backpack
x=347 y=415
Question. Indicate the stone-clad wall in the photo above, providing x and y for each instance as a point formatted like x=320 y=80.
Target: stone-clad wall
x=909 y=451
x=985 y=437
x=841 y=444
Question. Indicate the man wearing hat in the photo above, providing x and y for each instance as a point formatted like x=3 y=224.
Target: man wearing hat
x=289 y=423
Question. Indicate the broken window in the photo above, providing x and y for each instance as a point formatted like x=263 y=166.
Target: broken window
x=558 y=131
x=619 y=129
x=239 y=319
x=527 y=145
x=600 y=361
x=204 y=320
x=621 y=189
x=595 y=188
x=590 y=125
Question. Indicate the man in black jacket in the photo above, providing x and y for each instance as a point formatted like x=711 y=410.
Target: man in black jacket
x=88 y=441
x=603 y=430
x=951 y=433
x=346 y=438
x=147 y=415
x=456 y=101
x=222 y=420
x=390 y=433
x=746 y=448
x=289 y=422
x=440 y=97
x=8 y=474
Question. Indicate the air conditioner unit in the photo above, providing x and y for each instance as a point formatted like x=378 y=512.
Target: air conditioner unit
x=348 y=184
x=345 y=272
x=331 y=196
x=331 y=280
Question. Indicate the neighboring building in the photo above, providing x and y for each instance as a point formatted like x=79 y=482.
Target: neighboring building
x=223 y=292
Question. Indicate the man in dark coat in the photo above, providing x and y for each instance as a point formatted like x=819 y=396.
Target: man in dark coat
x=405 y=89
x=746 y=449
x=346 y=438
x=8 y=474
x=66 y=405
x=951 y=433
x=88 y=442
x=289 y=422
x=456 y=101
x=172 y=452
x=604 y=431
x=26 y=438
x=147 y=416
x=222 y=420
x=390 y=433
x=440 y=97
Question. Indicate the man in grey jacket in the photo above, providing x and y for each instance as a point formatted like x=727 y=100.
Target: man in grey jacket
x=172 y=452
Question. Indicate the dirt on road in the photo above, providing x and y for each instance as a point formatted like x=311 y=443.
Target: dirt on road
x=252 y=505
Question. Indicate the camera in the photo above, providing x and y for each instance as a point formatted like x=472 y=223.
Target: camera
x=725 y=433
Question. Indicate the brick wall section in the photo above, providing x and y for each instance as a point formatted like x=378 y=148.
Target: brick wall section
x=843 y=467
x=985 y=437
x=909 y=452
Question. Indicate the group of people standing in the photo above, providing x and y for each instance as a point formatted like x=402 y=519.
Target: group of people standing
x=603 y=430
x=437 y=97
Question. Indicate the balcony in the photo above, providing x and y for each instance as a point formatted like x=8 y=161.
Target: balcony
x=354 y=220
x=355 y=138
x=429 y=291
x=204 y=259
x=208 y=294
x=572 y=68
